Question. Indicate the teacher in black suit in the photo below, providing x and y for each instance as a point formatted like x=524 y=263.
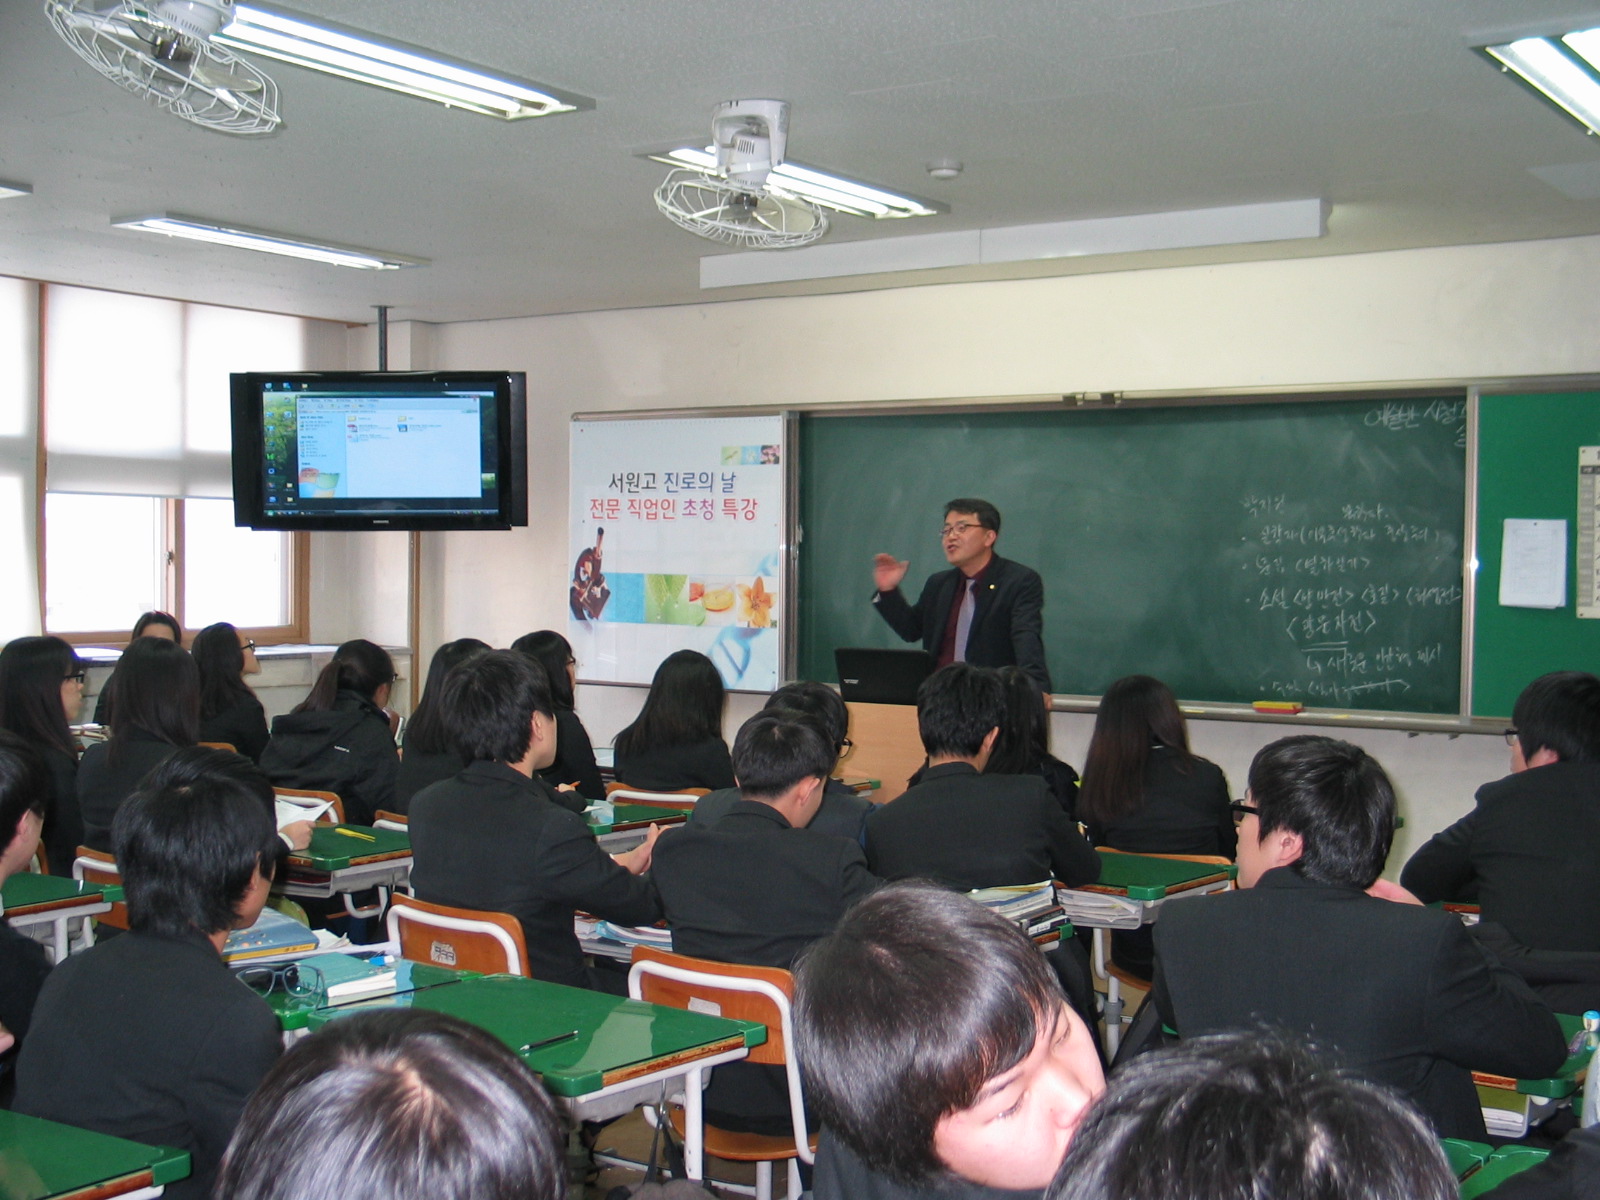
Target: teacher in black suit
x=985 y=610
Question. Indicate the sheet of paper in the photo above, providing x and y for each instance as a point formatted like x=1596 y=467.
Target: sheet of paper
x=1533 y=564
x=293 y=810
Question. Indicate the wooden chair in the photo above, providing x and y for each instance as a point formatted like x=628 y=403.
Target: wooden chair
x=1115 y=977
x=465 y=939
x=334 y=815
x=762 y=994
x=683 y=799
x=399 y=822
x=228 y=746
x=96 y=866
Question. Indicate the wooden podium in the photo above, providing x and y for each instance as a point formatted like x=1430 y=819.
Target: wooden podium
x=887 y=746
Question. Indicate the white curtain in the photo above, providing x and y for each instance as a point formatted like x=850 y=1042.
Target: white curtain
x=19 y=407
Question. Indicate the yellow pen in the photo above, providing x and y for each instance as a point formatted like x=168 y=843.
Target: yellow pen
x=365 y=837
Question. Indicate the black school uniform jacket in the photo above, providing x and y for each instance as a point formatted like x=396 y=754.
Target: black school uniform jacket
x=843 y=812
x=108 y=774
x=574 y=762
x=1007 y=617
x=150 y=1038
x=63 y=819
x=1528 y=852
x=491 y=838
x=243 y=725
x=1398 y=992
x=753 y=889
x=967 y=831
x=669 y=768
x=347 y=750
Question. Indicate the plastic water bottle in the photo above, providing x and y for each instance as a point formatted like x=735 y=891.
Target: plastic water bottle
x=1591 y=1081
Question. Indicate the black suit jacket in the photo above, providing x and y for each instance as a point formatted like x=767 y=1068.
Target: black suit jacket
x=669 y=768
x=968 y=830
x=1401 y=993
x=243 y=725
x=842 y=813
x=491 y=838
x=752 y=888
x=348 y=750
x=1527 y=853
x=1572 y=1172
x=108 y=774
x=149 y=1038
x=1007 y=618
x=574 y=762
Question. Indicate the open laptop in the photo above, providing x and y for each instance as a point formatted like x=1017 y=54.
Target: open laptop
x=874 y=676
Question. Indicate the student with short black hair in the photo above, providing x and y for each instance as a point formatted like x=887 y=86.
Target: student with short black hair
x=962 y=827
x=148 y=1036
x=575 y=766
x=939 y=1053
x=402 y=1104
x=41 y=693
x=1401 y=992
x=494 y=837
x=24 y=793
x=156 y=711
x=338 y=738
x=843 y=812
x=1527 y=850
x=676 y=740
x=229 y=709
x=1272 y=1118
x=429 y=753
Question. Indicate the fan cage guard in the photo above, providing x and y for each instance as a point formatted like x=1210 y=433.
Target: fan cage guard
x=96 y=33
x=701 y=204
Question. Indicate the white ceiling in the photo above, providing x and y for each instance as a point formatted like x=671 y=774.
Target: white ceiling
x=1060 y=109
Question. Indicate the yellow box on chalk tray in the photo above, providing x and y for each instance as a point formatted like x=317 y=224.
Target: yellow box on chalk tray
x=1278 y=706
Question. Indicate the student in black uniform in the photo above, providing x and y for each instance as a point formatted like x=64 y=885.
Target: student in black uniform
x=1023 y=747
x=156 y=711
x=41 y=692
x=676 y=741
x=428 y=753
x=843 y=812
x=403 y=1104
x=338 y=738
x=494 y=837
x=574 y=767
x=1144 y=792
x=939 y=1052
x=153 y=624
x=147 y=1036
x=24 y=792
x=229 y=710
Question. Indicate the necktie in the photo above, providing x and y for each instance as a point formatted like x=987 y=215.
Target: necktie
x=964 y=620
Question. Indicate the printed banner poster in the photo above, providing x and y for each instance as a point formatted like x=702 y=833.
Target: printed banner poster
x=676 y=535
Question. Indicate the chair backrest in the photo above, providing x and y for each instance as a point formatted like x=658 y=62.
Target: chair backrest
x=334 y=815
x=764 y=994
x=96 y=866
x=228 y=746
x=466 y=939
x=683 y=798
x=391 y=820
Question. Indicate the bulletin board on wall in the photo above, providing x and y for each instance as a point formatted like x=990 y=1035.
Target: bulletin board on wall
x=677 y=535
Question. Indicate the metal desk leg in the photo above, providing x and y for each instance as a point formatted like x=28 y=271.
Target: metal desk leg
x=1113 y=1008
x=59 y=938
x=694 y=1127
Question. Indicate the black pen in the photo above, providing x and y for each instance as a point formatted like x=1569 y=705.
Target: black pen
x=549 y=1041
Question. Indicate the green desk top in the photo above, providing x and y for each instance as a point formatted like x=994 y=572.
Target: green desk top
x=332 y=851
x=26 y=889
x=1502 y=1165
x=632 y=816
x=294 y=1012
x=613 y=1034
x=1142 y=877
x=41 y=1158
x=1465 y=1156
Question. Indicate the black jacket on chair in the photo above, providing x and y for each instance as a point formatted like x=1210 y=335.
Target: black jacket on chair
x=348 y=750
x=967 y=831
x=1007 y=617
x=493 y=839
x=1400 y=993
x=1528 y=853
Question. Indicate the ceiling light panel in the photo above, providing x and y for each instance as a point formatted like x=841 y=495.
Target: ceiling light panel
x=244 y=238
x=1561 y=69
x=396 y=66
x=835 y=192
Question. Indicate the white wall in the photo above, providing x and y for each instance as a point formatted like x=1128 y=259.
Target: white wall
x=1467 y=313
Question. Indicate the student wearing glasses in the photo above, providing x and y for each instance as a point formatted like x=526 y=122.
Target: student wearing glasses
x=985 y=609
x=229 y=710
x=24 y=791
x=41 y=693
x=148 y=1036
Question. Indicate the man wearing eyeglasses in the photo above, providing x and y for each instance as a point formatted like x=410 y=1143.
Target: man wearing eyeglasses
x=1529 y=851
x=985 y=610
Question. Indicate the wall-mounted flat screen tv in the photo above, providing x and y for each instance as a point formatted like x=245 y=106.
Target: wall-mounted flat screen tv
x=380 y=450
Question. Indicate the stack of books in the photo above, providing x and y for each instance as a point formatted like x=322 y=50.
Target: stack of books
x=273 y=937
x=1031 y=906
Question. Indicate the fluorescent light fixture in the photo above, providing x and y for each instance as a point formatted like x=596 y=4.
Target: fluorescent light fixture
x=1561 y=69
x=352 y=54
x=245 y=238
x=1238 y=224
x=831 y=191
x=8 y=190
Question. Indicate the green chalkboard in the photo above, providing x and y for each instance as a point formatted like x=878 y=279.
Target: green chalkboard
x=1528 y=467
x=1304 y=550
